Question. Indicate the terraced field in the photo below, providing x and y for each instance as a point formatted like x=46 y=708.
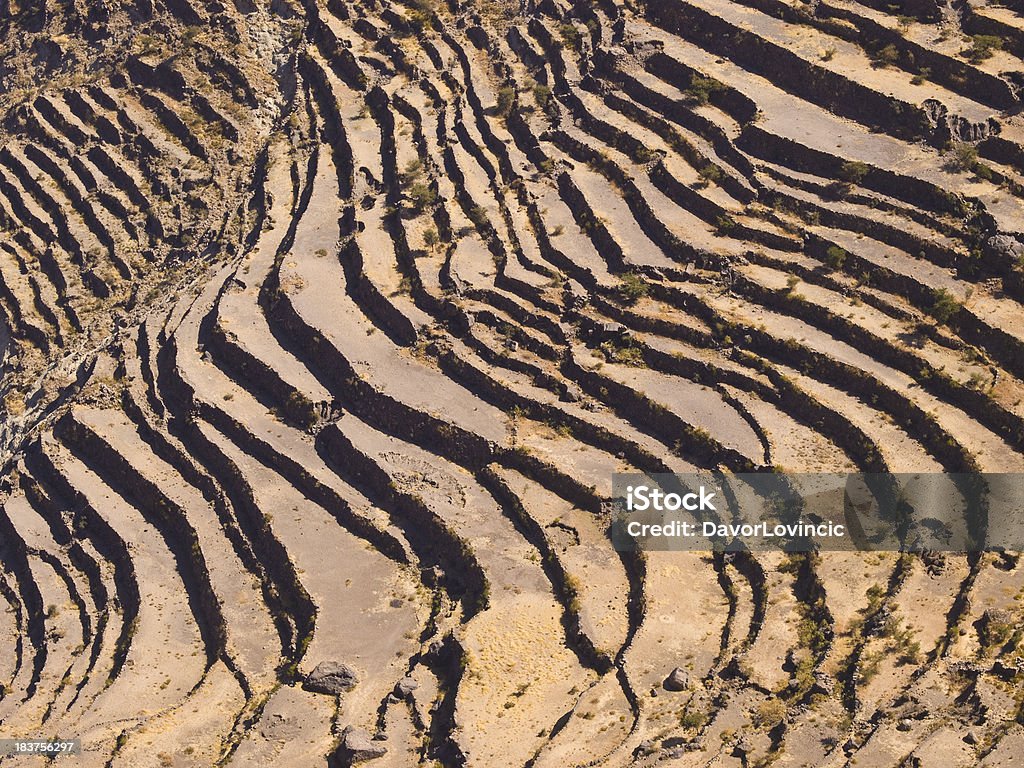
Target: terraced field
x=323 y=327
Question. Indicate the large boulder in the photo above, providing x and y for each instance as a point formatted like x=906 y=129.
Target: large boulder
x=1005 y=246
x=677 y=680
x=332 y=678
x=358 y=745
x=406 y=686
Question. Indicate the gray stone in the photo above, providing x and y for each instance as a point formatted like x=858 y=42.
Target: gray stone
x=677 y=680
x=1005 y=246
x=331 y=677
x=406 y=686
x=358 y=745
x=572 y=394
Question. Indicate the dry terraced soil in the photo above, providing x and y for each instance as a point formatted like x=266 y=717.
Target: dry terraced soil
x=323 y=326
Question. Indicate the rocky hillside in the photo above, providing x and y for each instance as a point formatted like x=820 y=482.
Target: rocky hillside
x=324 y=325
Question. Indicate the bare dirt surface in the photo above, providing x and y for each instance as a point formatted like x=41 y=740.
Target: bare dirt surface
x=324 y=325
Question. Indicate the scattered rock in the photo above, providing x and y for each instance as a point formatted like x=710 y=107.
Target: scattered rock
x=970 y=738
x=905 y=724
x=935 y=562
x=677 y=680
x=331 y=677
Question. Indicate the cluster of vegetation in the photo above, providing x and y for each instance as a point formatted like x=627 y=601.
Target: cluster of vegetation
x=901 y=640
x=710 y=174
x=571 y=35
x=542 y=95
x=421 y=15
x=417 y=188
x=964 y=157
x=922 y=74
x=835 y=257
x=944 y=305
x=769 y=713
x=632 y=288
x=982 y=47
x=853 y=171
x=622 y=352
x=702 y=88
x=725 y=224
x=997 y=630
x=694 y=718
x=506 y=100
x=886 y=55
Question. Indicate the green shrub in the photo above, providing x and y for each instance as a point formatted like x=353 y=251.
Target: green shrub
x=835 y=257
x=506 y=98
x=570 y=35
x=886 y=56
x=710 y=173
x=693 y=718
x=422 y=195
x=769 y=714
x=632 y=288
x=944 y=305
x=982 y=47
x=701 y=88
x=623 y=352
x=725 y=223
x=542 y=95
x=853 y=171
x=962 y=156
